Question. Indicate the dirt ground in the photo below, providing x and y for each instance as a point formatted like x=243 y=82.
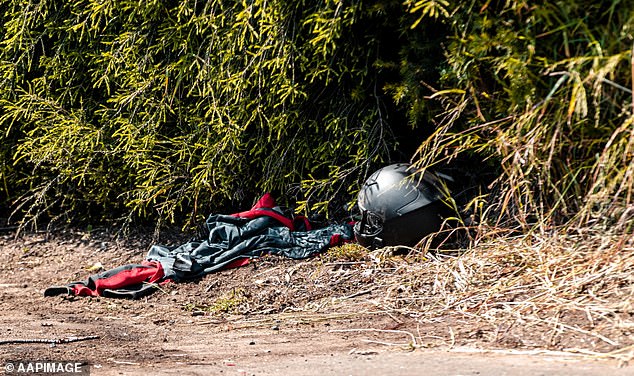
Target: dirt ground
x=273 y=317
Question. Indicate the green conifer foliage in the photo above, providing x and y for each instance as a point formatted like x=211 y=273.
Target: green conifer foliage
x=543 y=91
x=169 y=109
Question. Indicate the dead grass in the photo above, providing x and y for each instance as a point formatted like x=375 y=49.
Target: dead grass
x=570 y=291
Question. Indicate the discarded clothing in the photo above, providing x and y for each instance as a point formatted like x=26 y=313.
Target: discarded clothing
x=231 y=242
x=127 y=281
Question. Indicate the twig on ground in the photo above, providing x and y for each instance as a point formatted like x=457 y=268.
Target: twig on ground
x=358 y=293
x=413 y=342
x=50 y=341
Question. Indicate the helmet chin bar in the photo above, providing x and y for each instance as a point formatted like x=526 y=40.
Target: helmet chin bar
x=368 y=231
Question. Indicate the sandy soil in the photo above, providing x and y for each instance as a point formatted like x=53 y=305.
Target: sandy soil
x=274 y=317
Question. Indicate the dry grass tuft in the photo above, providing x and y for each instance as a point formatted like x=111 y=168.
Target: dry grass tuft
x=567 y=291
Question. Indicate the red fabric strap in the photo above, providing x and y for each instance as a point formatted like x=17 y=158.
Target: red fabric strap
x=264 y=207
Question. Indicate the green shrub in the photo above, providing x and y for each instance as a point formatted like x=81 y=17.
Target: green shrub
x=169 y=109
x=539 y=89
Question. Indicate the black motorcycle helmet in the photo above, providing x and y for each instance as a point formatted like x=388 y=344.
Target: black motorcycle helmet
x=400 y=206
